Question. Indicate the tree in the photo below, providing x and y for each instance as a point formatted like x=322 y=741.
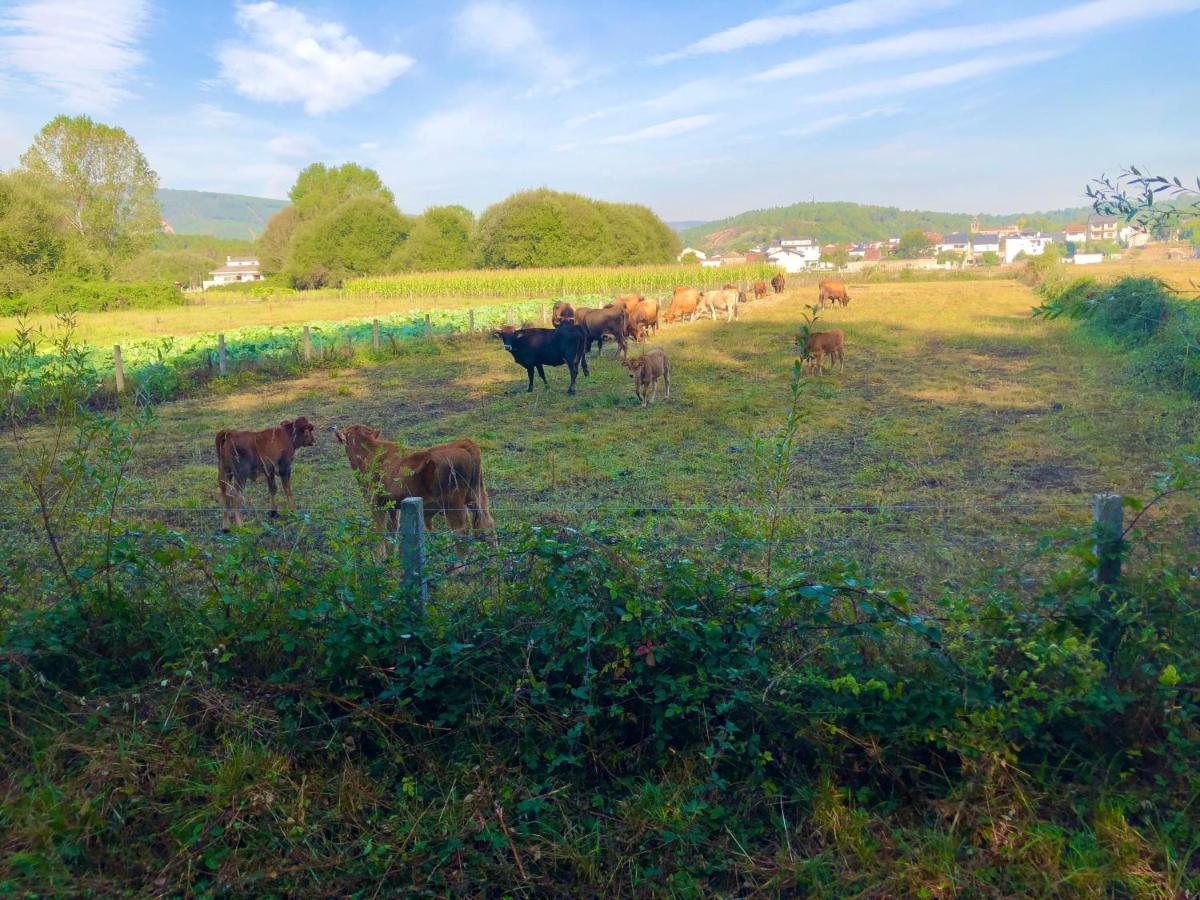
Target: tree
x=1156 y=202
x=549 y=228
x=954 y=257
x=914 y=244
x=839 y=256
x=276 y=238
x=32 y=245
x=989 y=258
x=356 y=238
x=101 y=183
x=442 y=238
x=320 y=189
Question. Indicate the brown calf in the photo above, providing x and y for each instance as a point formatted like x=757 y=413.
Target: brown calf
x=645 y=371
x=447 y=477
x=760 y=289
x=244 y=455
x=778 y=283
x=819 y=343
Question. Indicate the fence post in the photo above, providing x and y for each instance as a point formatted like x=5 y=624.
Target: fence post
x=471 y=320
x=375 y=335
x=508 y=314
x=307 y=345
x=222 y=358
x=412 y=547
x=428 y=328
x=545 y=314
x=118 y=368
x=349 y=345
x=1109 y=521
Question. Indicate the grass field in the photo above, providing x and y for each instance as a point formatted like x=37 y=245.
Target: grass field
x=961 y=430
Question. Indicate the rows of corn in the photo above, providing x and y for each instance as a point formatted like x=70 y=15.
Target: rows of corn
x=542 y=283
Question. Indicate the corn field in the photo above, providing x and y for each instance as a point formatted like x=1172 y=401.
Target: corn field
x=545 y=283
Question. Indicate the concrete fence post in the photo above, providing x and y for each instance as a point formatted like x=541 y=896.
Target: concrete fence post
x=307 y=345
x=118 y=368
x=375 y=335
x=428 y=328
x=222 y=357
x=1108 y=518
x=471 y=321
x=412 y=548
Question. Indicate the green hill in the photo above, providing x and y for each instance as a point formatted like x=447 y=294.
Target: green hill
x=846 y=222
x=219 y=215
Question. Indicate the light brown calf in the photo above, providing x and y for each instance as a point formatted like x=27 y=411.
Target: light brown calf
x=645 y=371
x=820 y=343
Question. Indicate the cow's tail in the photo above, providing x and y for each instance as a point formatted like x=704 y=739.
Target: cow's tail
x=222 y=439
x=481 y=514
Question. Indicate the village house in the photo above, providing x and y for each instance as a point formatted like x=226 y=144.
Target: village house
x=1103 y=228
x=985 y=243
x=699 y=254
x=955 y=243
x=1029 y=244
x=795 y=254
x=1075 y=233
x=237 y=269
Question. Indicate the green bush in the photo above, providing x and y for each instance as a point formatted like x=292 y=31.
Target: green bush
x=1131 y=309
x=93 y=295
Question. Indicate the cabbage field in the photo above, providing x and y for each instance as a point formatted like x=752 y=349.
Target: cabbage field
x=160 y=368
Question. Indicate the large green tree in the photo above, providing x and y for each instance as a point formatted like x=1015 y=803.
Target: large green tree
x=276 y=239
x=356 y=238
x=32 y=244
x=100 y=182
x=914 y=244
x=549 y=228
x=442 y=238
x=320 y=189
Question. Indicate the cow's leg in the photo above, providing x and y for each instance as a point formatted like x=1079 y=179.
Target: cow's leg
x=653 y=389
x=573 y=367
x=226 y=501
x=271 y=490
x=667 y=378
x=542 y=372
x=529 y=371
x=583 y=364
x=285 y=478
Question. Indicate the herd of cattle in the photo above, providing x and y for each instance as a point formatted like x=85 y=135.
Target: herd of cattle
x=449 y=477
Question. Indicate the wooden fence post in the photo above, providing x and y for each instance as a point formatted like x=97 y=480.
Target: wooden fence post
x=412 y=547
x=1108 y=519
x=375 y=335
x=471 y=320
x=118 y=368
x=307 y=345
x=349 y=345
x=428 y=328
x=545 y=314
x=508 y=314
x=222 y=357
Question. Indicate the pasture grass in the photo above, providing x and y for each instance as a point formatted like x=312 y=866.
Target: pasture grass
x=961 y=430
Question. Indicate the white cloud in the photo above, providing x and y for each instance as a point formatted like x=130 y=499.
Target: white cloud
x=663 y=130
x=1063 y=23
x=828 y=123
x=294 y=146
x=291 y=58
x=503 y=33
x=855 y=15
x=84 y=50
x=930 y=78
x=474 y=127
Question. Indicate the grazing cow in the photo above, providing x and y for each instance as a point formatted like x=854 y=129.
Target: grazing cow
x=610 y=321
x=643 y=319
x=760 y=289
x=725 y=300
x=244 y=455
x=819 y=343
x=833 y=290
x=645 y=371
x=778 y=282
x=685 y=302
x=447 y=477
x=537 y=347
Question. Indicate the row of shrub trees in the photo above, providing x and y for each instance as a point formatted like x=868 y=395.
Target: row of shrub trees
x=343 y=222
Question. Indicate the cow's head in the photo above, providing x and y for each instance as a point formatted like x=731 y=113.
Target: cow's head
x=634 y=365
x=301 y=432
x=507 y=335
x=562 y=312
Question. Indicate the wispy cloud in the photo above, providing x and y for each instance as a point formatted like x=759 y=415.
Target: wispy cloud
x=1064 y=23
x=84 y=50
x=828 y=123
x=289 y=57
x=942 y=76
x=503 y=33
x=663 y=130
x=855 y=15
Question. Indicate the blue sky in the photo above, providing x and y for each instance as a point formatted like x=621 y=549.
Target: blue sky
x=698 y=109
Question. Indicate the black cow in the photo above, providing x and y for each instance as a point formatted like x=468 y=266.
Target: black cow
x=537 y=347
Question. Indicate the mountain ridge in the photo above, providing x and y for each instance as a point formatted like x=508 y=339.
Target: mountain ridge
x=216 y=214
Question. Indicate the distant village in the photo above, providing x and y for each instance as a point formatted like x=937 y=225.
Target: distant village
x=984 y=246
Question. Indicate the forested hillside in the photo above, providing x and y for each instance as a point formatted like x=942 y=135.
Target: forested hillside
x=844 y=222
x=219 y=215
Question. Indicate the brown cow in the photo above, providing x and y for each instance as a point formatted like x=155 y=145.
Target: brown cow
x=819 y=343
x=244 y=455
x=600 y=323
x=779 y=283
x=833 y=290
x=760 y=289
x=561 y=312
x=644 y=318
x=645 y=371
x=685 y=302
x=726 y=301
x=447 y=477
